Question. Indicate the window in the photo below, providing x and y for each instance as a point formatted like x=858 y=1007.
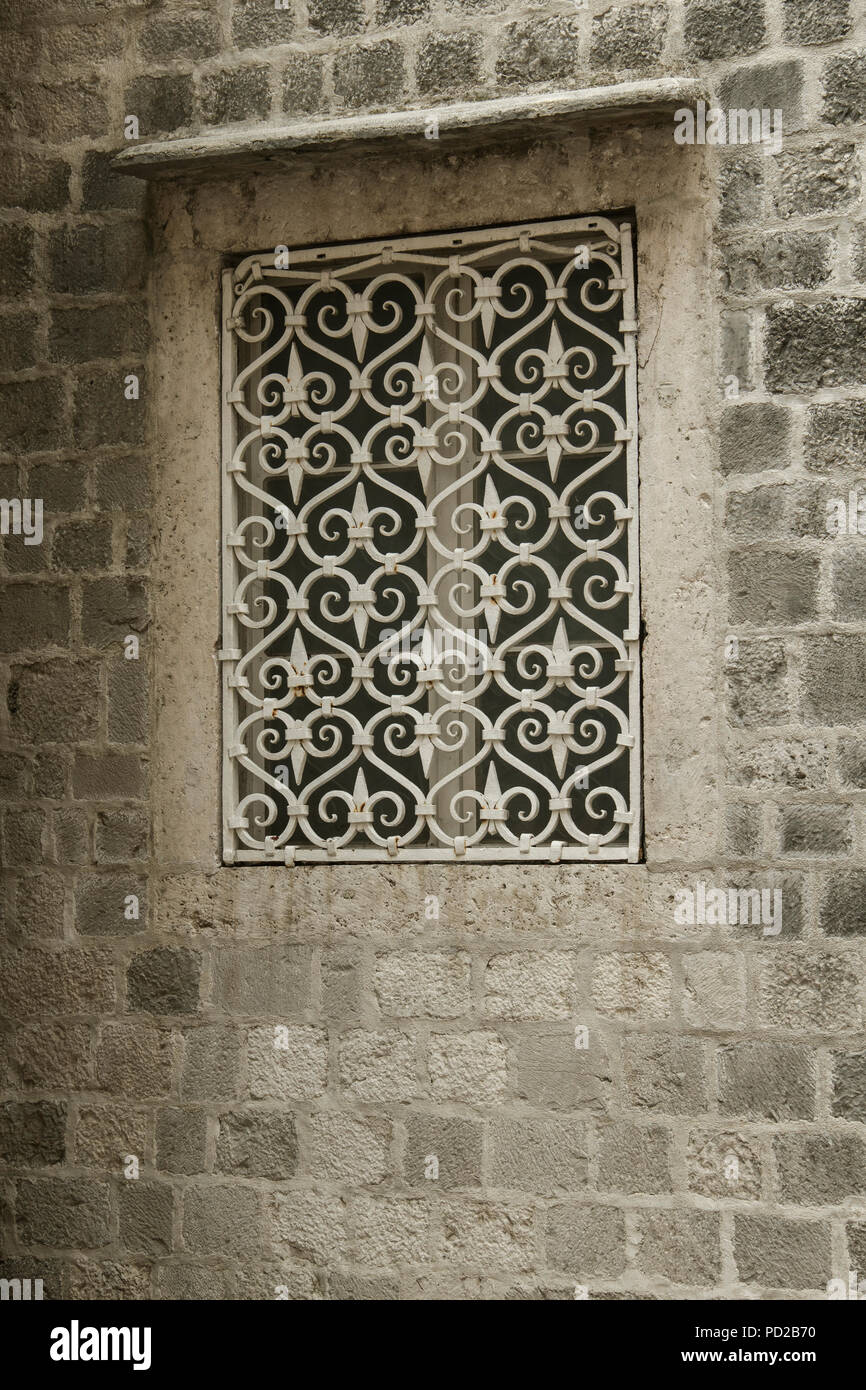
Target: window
x=430 y=574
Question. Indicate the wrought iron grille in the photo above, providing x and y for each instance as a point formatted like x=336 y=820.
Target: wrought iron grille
x=430 y=581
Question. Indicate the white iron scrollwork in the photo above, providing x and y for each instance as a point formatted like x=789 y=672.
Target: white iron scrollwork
x=430 y=565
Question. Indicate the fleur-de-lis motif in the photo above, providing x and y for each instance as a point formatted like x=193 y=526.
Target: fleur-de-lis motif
x=295 y=391
x=492 y=518
x=360 y=813
x=487 y=293
x=358 y=307
x=556 y=433
x=425 y=373
x=360 y=529
x=425 y=440
x=560 y=730
x=425 y=729
x=295 y=453
x=559 y=665
x=490 y=807
x=300 y=677
x=555 y=366
x=297 y=734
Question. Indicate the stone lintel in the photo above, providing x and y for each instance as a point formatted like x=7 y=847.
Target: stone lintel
x=546 y=114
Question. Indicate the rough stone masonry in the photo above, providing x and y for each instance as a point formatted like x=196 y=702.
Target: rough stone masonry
x=709 y=1139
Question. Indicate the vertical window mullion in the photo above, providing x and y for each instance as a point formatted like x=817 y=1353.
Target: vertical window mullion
x=441 y=475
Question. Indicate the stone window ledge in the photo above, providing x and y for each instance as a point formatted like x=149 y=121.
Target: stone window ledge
x=542 y=114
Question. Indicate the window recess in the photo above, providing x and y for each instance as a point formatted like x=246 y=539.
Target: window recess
x=430 y=549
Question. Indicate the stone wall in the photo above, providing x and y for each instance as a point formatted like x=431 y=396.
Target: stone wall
x=302 y=1169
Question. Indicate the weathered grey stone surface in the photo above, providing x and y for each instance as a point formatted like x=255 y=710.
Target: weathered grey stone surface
x=216 y=1081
